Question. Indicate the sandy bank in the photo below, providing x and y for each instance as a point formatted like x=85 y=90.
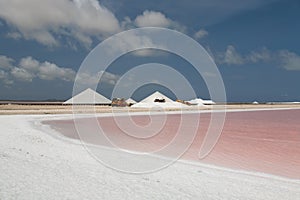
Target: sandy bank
x=64 y=109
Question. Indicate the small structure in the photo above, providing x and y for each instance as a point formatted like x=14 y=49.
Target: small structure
x=183 y=102
x=130 y=102
x=196 y=102
x=201 y=102
x=119 y=102
x=208 y=102
x=88 y=97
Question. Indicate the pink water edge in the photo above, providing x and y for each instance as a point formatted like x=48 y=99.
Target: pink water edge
x=260 y=141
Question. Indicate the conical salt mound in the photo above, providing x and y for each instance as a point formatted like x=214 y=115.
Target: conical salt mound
x=130 y=101
x=88 y=96
x=159 y=101
x=155 y=97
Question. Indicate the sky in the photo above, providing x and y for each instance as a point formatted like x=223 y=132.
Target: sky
x=254 y=43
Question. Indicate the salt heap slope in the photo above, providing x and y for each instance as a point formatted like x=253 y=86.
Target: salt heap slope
x=131 y=101
x=88 y=96
x=158 y=100
x=196 y=102
x=201 y=102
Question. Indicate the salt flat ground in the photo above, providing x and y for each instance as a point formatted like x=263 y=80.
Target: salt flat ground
x=13 y=109
x=37 y=165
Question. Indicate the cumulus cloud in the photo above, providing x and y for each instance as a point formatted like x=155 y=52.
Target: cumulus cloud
x=200 y=34
x=51 y=22
x=152 y=18
x=45 y=70
x=86 y=79
x=232 y=57
x=14 y=35
x=5 y=62
x=22 y=74
x=4 y=77
x=134 y=41
x=109 y=78
x=29 y=68
x=29 y=64
x=50 y=71
x=289 y=60
x=3 y=74
x=262 y=55
x=157 y=19
x=283 y=58
x=43 y=21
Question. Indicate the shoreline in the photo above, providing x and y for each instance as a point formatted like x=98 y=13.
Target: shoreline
x=15 y=109
x=31 y=159
x=69 y=134
x=46 y=128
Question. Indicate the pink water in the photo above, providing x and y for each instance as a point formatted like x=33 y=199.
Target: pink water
x=262 y=141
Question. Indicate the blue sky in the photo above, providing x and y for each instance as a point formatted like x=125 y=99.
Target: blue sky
x=254 y=43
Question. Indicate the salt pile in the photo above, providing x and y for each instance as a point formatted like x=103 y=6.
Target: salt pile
x=88 y=96
x=158 y=100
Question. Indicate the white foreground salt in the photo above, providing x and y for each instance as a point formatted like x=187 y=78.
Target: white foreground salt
x=36 y=163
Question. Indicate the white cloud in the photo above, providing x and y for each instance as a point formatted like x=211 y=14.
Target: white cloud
x=153 y=19
x=30 y=64
x=232 y=57
x=83 y=39
x=134 y=41
x=22 y=74
x=109 y=78
x=50 y=71
x=5 y=62
x=3 y=74
x=157 y=19
x=42 y=36
x=30 y=68
x=262 y=55
x=4 y=77
x=283 y=58
x=46 y=70
x=49 y=22
x=127 y=24
x=43 y=21
x=289 y=60
x=200 y=34
x=85 y=79
x=14 y=35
